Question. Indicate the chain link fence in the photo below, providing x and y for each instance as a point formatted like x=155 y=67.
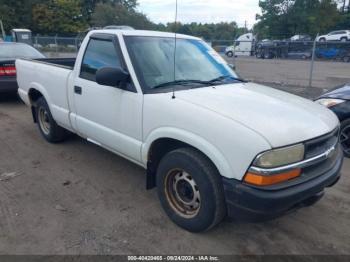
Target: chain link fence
x=55 y=46
x=294 y=63
x=272 y=49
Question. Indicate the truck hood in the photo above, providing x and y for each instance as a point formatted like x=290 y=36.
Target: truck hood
x=281 y=118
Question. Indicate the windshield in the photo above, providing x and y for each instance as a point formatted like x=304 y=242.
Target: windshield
x=13 y=51
x=153 y=60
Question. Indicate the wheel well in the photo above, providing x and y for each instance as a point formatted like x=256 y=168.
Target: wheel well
x=158 y=150
x=34 y=95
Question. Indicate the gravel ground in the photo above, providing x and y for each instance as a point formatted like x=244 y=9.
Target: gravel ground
x=76 y=198
x=284 y=72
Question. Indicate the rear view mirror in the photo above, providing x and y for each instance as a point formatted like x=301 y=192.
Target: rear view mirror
x=109 y=76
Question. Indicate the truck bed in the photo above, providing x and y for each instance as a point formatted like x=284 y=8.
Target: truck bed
x=61 y=62
x=50 y=77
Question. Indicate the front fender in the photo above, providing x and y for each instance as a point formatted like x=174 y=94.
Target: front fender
x=212 y=152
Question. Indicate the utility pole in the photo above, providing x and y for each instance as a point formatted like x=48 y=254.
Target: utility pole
x=245 y=26
x=2 y=30
x=312 y=61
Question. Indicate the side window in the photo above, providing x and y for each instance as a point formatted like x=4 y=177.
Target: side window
x=98 y=54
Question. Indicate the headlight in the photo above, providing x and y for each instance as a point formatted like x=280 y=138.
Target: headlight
x=329 y=102
x=280 y=157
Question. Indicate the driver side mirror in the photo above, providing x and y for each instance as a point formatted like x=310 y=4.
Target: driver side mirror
x=111 y=76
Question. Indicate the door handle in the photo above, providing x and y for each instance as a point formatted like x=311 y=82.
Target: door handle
x=78 y=90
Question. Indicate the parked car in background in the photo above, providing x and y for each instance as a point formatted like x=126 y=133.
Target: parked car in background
x=338 y=100
x=341 y=35
x=328 y=52
x=304 y=37
x=300 y=54
x=9 y=52
x=211 y=143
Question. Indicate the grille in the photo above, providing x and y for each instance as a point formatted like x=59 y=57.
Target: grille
x=322 y=144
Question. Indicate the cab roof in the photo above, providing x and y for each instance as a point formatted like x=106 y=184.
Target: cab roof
x=142 y=33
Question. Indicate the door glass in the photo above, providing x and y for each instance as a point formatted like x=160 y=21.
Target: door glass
x=98 y=54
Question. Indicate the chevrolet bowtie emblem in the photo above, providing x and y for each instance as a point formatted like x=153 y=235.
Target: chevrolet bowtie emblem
x=330 y=151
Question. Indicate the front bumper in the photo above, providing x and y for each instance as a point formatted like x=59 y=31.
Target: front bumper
x=249 y=203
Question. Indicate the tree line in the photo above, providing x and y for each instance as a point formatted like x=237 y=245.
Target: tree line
x=285 y=18
x=278 y=19
x=68 y=17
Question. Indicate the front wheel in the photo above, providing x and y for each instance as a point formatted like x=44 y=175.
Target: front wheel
x=229 y=54
x=48 y=127
x=345 y=137
x=190 y=190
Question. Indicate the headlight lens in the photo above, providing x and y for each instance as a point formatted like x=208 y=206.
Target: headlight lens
x=280 y=157
x=329 y=102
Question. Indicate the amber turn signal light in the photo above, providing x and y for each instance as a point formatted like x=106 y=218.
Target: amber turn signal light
x=267 y=180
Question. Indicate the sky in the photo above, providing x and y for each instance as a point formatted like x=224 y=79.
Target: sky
x=205 y=11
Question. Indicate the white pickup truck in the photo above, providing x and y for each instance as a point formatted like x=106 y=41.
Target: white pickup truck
x=213 y=144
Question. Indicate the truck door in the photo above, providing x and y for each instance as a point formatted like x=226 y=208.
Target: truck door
x=108 y=116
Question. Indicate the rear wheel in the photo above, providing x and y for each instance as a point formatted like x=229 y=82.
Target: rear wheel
x=343 y=39
x=47 y=125
x=345 y=137
x=190 y=190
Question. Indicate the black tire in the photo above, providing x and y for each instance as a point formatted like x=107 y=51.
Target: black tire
x=322 y=40
x=267 y=56
x=229 y=54
x=346 y=59
x=191 y=165
x=48 y=127
x=344 y=39
x=345 y=137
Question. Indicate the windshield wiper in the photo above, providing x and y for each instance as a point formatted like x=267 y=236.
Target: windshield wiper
x=183 y=82
x=225 y=77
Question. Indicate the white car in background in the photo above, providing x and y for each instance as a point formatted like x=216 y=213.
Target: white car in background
x=341 y=35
